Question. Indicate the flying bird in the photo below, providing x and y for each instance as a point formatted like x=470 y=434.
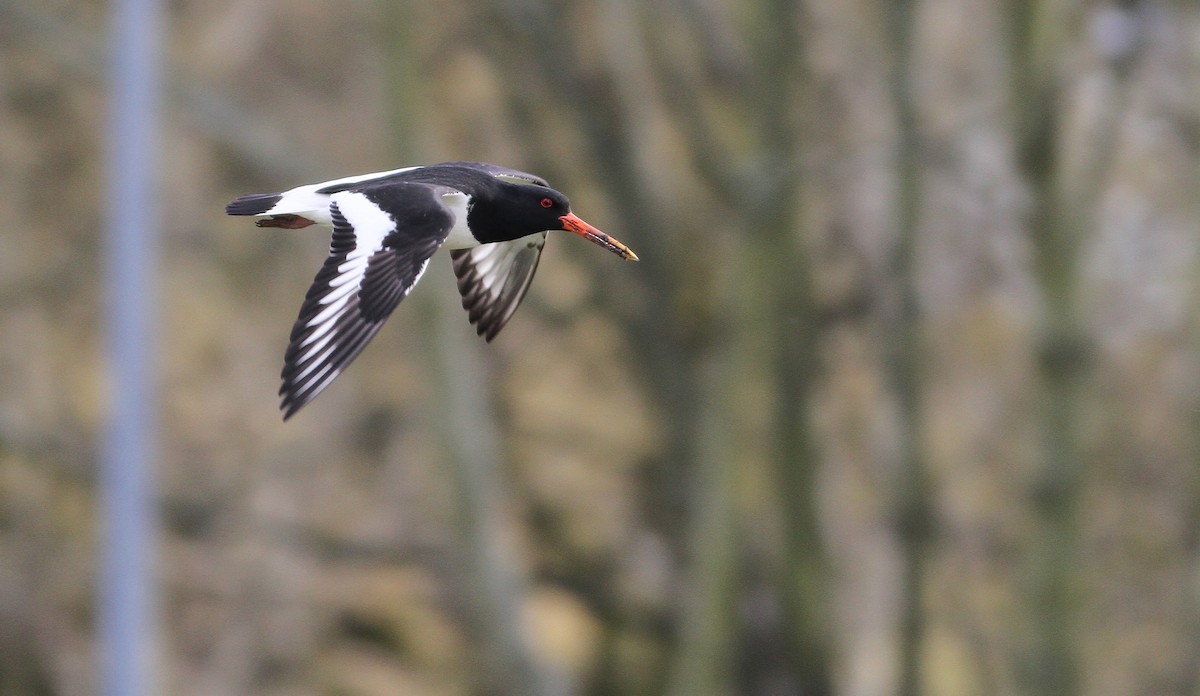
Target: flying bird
x=386 y=226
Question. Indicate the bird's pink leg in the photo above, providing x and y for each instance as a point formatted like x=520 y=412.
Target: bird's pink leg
x=287 y=222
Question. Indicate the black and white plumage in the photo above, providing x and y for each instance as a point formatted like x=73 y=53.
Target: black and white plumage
x=386 y=227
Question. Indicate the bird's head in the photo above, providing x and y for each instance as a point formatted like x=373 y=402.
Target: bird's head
x=522 y=209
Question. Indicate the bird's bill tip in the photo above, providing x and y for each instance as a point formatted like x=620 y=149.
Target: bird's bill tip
x=572 y=223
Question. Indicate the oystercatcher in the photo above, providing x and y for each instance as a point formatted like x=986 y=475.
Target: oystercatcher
x=386 y=226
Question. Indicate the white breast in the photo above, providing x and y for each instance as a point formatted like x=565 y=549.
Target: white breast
x=460 y=236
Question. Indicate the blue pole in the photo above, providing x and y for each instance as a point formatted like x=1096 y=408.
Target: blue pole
x=127 y=593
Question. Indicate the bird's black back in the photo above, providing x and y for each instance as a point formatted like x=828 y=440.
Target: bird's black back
x=472 y=178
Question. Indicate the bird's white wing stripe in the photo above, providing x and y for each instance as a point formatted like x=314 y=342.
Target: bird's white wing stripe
x=342 y=290
x=320 y=344
x=329 y=312
x=370 y=225
x=343 y=278
x=315 y=364
x=317 y=333
x=358 y=256
x=363 y=177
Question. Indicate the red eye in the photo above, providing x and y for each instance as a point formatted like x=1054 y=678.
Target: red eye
x=547 y=203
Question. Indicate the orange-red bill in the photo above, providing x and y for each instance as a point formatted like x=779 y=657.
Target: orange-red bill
x=572 y=223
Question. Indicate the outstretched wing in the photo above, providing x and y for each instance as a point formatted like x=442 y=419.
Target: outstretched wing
x=493 y=279
x=382 y=241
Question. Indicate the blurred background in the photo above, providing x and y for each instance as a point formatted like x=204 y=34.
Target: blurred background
x=902 y=398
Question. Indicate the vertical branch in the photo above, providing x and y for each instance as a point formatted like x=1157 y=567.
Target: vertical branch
x=1063 y=213
x=496 y=586
x=912 y=499
x=1050 y=666
x=1190 y=683
x=702 y=664
x=786 y=265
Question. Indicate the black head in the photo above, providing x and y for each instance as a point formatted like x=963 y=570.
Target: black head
x=517 y=210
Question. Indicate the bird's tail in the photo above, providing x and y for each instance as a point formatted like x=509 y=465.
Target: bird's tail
x=253 y=204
